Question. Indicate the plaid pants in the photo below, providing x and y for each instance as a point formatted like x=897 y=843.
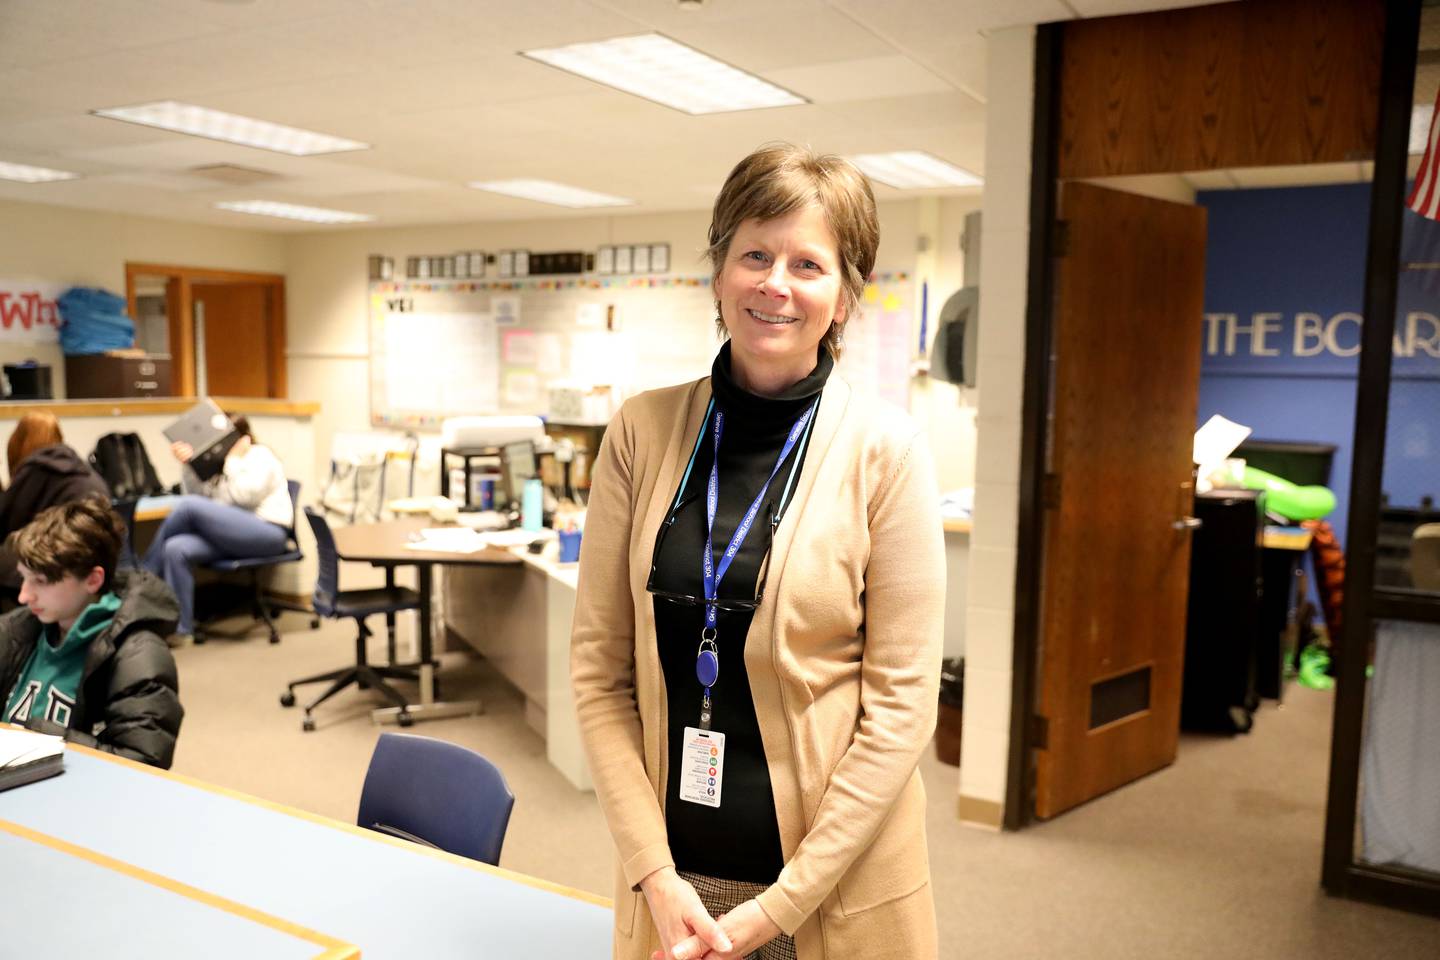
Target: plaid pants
x=722 y=896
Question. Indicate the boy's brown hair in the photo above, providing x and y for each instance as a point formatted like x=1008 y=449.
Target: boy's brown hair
x=72 y=538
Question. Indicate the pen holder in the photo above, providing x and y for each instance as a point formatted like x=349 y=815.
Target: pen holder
x=569 y=546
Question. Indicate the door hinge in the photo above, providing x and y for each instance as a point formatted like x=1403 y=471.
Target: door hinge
x=1060 y=239
x=1039 y=732
x=1050 y=491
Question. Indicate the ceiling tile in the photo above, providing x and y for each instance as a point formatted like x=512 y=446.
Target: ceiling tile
x=893 y=76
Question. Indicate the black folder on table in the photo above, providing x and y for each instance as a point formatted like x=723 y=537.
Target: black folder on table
x=26 y=757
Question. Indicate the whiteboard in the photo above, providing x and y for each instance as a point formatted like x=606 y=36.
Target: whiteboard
x=451 y=348
x=433 y=354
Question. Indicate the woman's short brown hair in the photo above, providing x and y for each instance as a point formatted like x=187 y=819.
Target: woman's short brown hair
x=35 y=430
x=780 y=178
x=73 y=538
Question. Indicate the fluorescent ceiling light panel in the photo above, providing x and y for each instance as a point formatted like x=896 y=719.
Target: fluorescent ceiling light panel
x=290 y=211
x=547 y=191
x=912 y=170
x=24 y=174
x=232 y=128
x=669 y=73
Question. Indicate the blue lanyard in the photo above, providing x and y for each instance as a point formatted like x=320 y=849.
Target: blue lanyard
x=707 y=658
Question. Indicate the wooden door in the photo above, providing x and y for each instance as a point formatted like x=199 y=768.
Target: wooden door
x=1128 y=316
x=237 y=334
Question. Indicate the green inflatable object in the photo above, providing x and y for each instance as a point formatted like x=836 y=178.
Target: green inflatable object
x=1289 y=500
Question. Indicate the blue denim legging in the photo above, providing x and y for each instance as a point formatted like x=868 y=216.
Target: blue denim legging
x=199 y=530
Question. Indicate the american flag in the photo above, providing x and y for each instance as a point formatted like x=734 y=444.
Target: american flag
x=1424 y=197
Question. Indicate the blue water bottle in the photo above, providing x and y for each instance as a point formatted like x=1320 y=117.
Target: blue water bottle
x=532 y=505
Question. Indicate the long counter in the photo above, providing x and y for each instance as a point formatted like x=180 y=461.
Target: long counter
x=519 y=619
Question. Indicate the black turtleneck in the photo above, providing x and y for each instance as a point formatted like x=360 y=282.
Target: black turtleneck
x=741 y=839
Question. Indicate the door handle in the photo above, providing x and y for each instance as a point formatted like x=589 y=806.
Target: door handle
x=1188 y=523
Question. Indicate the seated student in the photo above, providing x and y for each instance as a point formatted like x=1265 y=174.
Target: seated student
x=43 y=472
x=241 y=512
x=86 y=656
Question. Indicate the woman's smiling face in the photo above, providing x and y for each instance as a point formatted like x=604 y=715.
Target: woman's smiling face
x=779 y=291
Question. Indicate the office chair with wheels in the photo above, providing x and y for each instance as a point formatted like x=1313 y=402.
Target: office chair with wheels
x=261 y=608
x=436 y=793
x=332 y=602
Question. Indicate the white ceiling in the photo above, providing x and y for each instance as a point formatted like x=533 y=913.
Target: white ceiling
x=437 y=87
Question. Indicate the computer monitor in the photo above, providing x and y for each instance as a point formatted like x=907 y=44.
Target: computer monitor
x=517 y=464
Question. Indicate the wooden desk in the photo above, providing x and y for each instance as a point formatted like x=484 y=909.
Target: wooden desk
x=1287 y=538
x=1284 y=548
x=150 y=509
x=387 y=545
x=215 y=873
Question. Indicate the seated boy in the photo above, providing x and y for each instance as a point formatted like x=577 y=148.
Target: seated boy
x=85 y=656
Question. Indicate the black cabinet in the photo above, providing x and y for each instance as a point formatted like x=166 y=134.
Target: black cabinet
x=1223 y=617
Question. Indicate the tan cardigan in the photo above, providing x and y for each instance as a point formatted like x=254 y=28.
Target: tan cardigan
x=843 y=656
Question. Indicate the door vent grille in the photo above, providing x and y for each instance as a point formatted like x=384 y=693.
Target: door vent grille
x=1119 y=697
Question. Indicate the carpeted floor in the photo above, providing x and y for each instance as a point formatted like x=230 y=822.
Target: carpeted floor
x=1217 y=856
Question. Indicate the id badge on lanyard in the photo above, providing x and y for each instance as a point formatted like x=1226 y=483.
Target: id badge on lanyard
x=704 y=749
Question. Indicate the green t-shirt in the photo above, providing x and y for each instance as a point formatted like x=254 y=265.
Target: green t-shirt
x=49 y=685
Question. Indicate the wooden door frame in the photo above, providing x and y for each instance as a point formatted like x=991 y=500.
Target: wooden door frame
x=181 y=309
x=1343 y=874
x=1035 y=405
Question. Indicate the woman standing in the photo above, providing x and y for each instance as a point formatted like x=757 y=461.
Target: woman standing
x=243 y=511
x=757 y=633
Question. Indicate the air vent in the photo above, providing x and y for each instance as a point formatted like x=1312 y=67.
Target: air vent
x=233 y=175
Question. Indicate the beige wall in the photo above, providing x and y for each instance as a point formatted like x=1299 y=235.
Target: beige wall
x=326 y=286
x=70 y=247
x=327 y=305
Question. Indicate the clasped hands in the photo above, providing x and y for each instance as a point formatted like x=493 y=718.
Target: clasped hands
x=689 y=932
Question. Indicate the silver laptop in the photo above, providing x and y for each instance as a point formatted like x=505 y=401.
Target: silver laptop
x=210 y=434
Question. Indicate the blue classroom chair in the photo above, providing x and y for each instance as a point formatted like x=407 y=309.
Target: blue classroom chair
x=438 y=794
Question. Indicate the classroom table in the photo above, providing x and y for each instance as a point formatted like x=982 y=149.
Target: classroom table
x=118 y=860
x=386 y=545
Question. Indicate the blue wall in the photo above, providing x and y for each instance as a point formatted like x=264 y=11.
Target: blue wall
x=1284 y=284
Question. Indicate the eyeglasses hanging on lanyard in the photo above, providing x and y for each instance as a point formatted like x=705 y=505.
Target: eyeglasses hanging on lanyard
x=707 y=656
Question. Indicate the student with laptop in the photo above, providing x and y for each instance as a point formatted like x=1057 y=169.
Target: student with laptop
x=85 y=656
x=242 y=510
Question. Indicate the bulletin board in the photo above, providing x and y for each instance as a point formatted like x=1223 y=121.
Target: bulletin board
x=443 y=348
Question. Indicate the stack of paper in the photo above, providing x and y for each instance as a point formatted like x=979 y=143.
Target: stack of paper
x=447 y=540
x=27 y=756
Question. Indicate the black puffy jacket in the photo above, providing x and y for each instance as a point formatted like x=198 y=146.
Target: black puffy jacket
x=49 y=476
x=129 y=702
